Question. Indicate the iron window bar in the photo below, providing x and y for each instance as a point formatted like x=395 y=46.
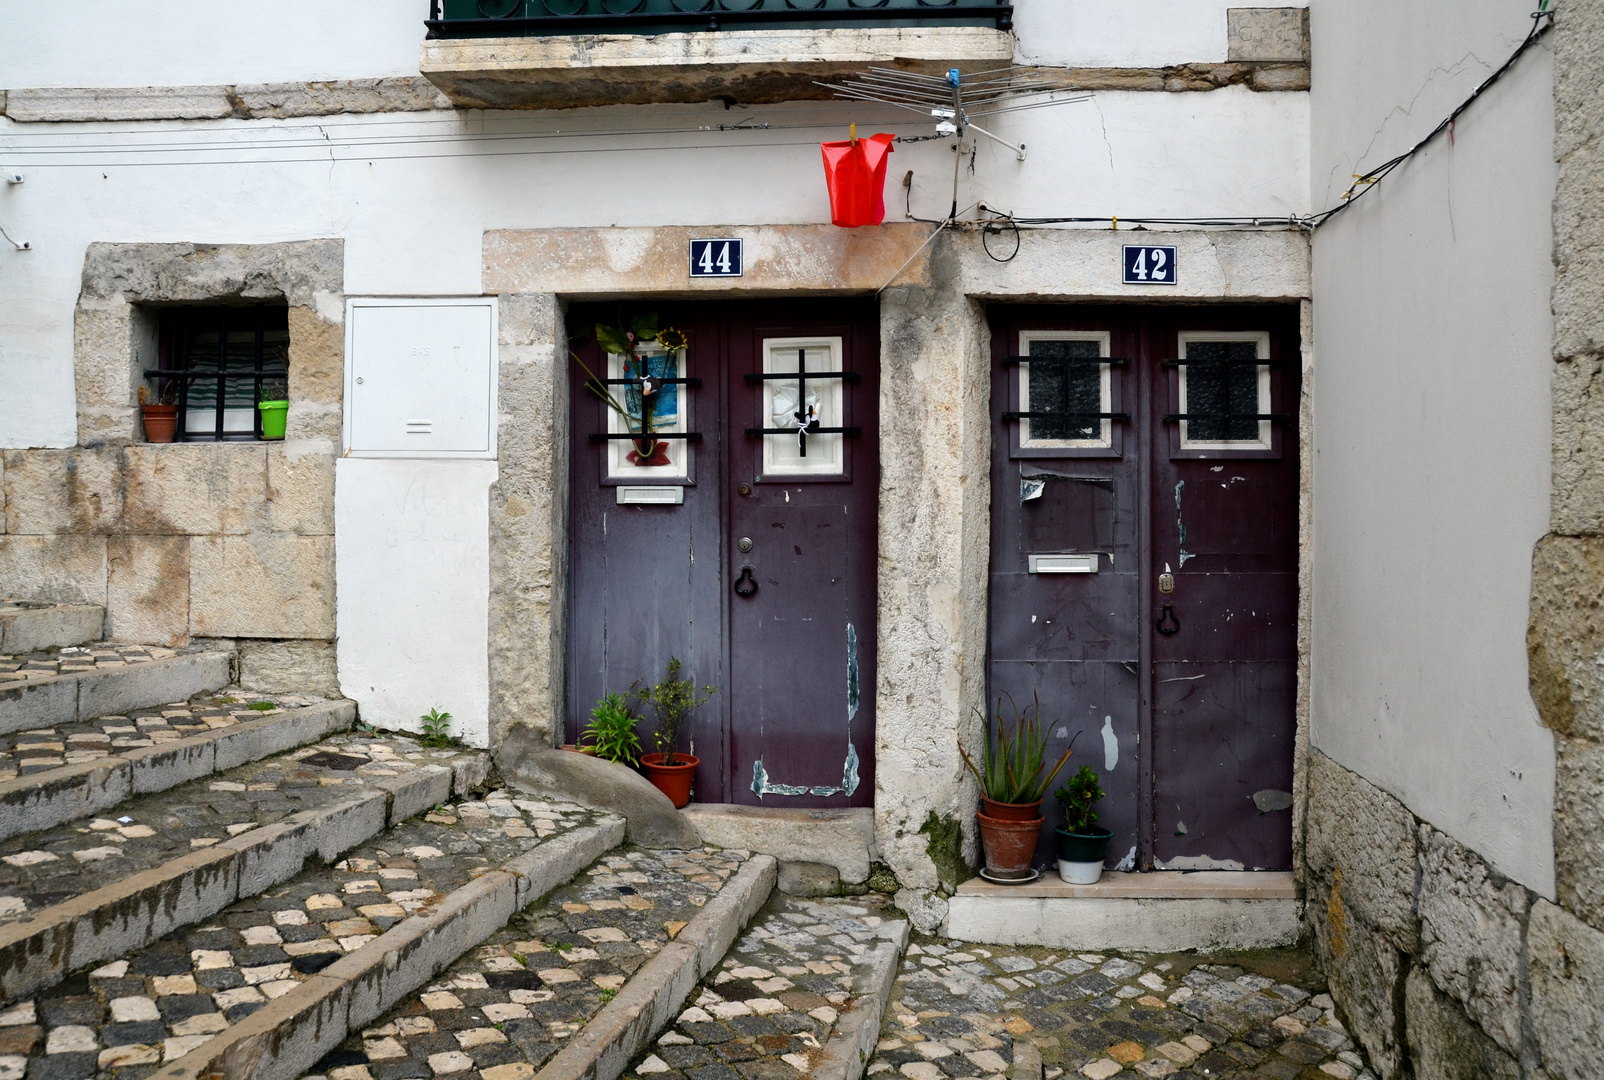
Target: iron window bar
x=689 y=436
x=694 y=382
x=1066 y=416
x=496 y=18
x=1225 y=361
x=1280 y=418
x=177 y=352
x=805 y=426
x=1067 y=361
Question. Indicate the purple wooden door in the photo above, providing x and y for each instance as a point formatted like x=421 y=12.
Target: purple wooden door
x=1122 y=482
x=762 y=581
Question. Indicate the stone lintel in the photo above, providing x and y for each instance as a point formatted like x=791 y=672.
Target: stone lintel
x=252 y=101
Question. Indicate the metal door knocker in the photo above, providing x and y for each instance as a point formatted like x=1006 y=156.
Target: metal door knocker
x=746 y=584
x=1167 y=615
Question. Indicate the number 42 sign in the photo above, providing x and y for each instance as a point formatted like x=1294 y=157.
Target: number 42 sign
x=716 y=258
x=1148 y=265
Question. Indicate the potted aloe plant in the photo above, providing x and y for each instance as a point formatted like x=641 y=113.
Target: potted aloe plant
x=1081 y=844
x=1011 y=788
x=671 y=701
x=611 y=732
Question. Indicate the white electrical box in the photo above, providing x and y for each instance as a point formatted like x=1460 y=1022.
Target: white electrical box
x=420 y=377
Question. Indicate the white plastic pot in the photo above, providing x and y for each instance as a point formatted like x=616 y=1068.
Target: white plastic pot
x=1080 y=873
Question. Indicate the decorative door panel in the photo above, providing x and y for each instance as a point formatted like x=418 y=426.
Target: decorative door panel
x=765 y=572
x=1144 y=564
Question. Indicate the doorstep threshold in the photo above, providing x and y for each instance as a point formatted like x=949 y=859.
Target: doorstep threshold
x=1152 y=885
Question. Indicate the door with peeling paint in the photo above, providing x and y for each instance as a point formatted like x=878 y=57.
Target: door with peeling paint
x=1144 y=567
x=762 y=580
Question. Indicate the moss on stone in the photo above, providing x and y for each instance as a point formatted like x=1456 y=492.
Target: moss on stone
x=946 y=850
x=882 y=879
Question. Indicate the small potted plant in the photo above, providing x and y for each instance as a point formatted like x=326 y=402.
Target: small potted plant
x=1081 y=844
x=160 y=417
x=611 y=733
x=1011 y=788
x=274 y=406
x=672 y=700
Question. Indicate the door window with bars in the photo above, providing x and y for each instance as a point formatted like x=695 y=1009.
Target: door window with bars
x=217 y=363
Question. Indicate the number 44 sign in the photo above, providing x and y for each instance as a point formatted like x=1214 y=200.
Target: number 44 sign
x=1148 y=265
x=716 y=258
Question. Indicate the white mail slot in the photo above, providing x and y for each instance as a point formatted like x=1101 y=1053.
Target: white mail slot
x=657 y=495
x=1063 y=564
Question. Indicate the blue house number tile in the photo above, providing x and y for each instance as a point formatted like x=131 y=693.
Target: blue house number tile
x=1147 y=264
x=719 y=257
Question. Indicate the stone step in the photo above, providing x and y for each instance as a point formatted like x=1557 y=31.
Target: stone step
x=28 y=627
x=562 y=982
x=96 y=888
x=801 y=994
x=59 y=686
x=72 y=770
x=1159 y=911
x=274 y=983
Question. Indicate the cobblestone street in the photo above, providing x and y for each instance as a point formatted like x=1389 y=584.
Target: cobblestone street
x=962 y=1010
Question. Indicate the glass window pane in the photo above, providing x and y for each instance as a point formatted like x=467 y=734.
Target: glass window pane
x=1066 y=388
x=1222 y=398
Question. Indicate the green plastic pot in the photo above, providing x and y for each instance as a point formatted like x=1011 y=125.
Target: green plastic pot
x=1083 y=847
x=274 y=413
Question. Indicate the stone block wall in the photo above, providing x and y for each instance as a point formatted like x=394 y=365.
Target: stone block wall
x=1442 y=967
x=232 y=543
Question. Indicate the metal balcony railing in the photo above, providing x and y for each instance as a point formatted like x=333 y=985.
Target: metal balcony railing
x=531 y=18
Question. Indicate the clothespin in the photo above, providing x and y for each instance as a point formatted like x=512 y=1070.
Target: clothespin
x=1114 y=224
x=854 y=134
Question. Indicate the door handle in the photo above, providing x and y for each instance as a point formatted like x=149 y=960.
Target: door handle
x=746 y=584
x=1168 y=614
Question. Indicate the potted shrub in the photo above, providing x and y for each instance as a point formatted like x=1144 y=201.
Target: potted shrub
x=274 y=407
x=672 y=700
x=1081 y=844
x=611 y=733
x=1011 y=788
x=160 y=417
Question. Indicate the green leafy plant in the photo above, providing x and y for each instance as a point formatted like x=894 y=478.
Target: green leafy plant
x=1014 y=760
x=561 y=946
x=671 y=701
x=261 y=706
x=436 y=728
x=274 y=389
x=1076 y=797
x=607 y=994
x=622 y=340
x=611 y=734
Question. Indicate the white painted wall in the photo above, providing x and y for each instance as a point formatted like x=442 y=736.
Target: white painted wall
x=412 y=567
x=1432 y=363
x=412 y=195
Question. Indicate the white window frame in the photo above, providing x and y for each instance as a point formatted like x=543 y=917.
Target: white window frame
x=1105 y=439
x=827 y=454
x=617 y=450
x=1261 y=339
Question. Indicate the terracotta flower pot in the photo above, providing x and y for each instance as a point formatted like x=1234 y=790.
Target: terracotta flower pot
x=576 y=748
x=672 y=780
x=1010 y=846
x=161 y=421
x=1002 y=811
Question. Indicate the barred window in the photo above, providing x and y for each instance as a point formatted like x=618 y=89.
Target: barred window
x=217 y=363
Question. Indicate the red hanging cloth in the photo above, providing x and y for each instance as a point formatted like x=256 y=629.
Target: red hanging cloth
x=855 y=172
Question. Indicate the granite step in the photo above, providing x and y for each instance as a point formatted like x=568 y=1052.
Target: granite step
x=52 y=775
x=45 y=687
x=26 y=626
x=272 y=984
x=95 y=888
x=572 y=983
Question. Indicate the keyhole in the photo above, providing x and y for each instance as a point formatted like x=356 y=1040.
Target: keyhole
x=744 y=543
x=744 y=491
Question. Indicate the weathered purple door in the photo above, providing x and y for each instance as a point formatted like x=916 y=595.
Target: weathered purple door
x=762 y=579
x=1144 y=566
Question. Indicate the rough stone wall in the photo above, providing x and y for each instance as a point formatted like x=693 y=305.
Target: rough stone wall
x=529 y=520
x=934 y=547
x=1443 y=968
x=231 y=542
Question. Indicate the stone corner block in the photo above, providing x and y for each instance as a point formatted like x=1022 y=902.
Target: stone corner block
x=32 y=629
x=1357 y=830
x=265 y=585
x=194 y=489
x=147 y=589
x=54 y=569
x=1567 y=992
x=288 y=667
x=1443 y=1043
x=1579 y=827
x=1365 y=972
x=300 y=487
x=1267 y=34
x=1471 y=929
x=1565 y=634
x=63 y=491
